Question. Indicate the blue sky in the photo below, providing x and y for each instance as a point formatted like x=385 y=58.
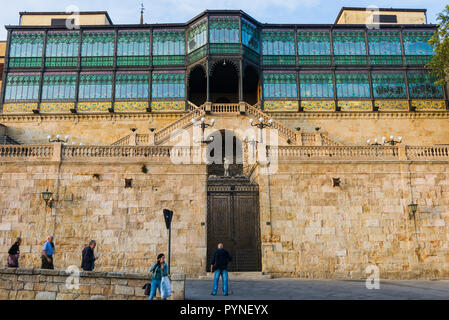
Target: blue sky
x=160 y=11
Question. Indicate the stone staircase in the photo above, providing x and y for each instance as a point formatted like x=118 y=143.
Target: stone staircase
x=5 y=139
x=239 y=276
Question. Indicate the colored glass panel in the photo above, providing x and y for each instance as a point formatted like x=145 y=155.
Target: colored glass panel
x=26 y=49
x=59 y=86
x=133 y=48
x=384 y=47
x=314 y=47
x=168 y=85
x=349 y=47
x=389 y=85
x=62 y=49
x=279 y=85
x=250 y=35
x=316 y=85
x=352 y=85
x=98 y=49
x=278 y=42
x=131 y=86
x=168 y=47
x=416 y=43
x=22 y=87
x=422 y=85
x=223 y=29
x=197 y=36
x=95 y=86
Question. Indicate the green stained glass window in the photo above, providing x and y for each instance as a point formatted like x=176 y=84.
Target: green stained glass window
x=133 y=48
x=279 y=85
x=197 y=36
x=22 y=87
x=349 y=47
x=26 y=49
x=352 y=85
x=131 y=86
x=59 y=86
x=95 y=86
x=98 y=49
x=278 y=42
x=422 y=85
x=389 y=85
x=316 y=85
x=250 y=35
x=168 y=47
x=62 y=49
x=168 y=85
x=416 y=47
x=314 y=47
x=384 y=47
x=223 y=29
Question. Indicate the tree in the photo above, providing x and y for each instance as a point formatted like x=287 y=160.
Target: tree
x=439 y=64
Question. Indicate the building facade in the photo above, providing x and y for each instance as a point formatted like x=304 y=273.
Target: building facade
x=324 y=204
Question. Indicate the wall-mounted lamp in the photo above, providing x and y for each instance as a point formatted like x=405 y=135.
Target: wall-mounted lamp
x=46 y=195
x=412 y=208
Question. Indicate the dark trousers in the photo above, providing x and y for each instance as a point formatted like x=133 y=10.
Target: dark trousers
x=46 y=264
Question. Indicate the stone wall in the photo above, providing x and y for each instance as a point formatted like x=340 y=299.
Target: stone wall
x=321 y=231
x=38 y=284
x=92 y=202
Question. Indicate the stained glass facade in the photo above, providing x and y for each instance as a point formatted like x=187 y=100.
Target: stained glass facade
x=416 y=47
x=98 y=49
x=197 y=36
x=385 y=47
x=422 y=86
x=168 y=85
x=133 y=48
x=349 y=47
x=95 y=86
x=250 y=35
x=314 y=47
x=26 y=49
x=389 y=85
x=131 y=86
x=316 y=85
x=279 y=85
x=352 y=85
x=22 y=87
x=62 y=49
x=168 y=47
x=59 y=87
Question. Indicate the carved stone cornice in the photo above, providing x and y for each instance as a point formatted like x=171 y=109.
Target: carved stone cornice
x=360 y=115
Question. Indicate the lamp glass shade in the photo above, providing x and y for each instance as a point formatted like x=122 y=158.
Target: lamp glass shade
x=412 y=207
x=46 y=195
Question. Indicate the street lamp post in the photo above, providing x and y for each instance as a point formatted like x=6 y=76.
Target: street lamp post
x=203 y=125
x=168 y=215
x=261 y=125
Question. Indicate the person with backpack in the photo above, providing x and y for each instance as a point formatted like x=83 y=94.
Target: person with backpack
x=47 y=254
x=14 y=253
x=219 y=265
x=159 y=270
x=88 y=256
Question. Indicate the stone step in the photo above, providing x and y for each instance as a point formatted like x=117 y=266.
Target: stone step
x=239 y=276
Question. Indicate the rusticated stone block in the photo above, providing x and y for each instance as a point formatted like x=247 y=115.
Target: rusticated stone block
x=45 y=295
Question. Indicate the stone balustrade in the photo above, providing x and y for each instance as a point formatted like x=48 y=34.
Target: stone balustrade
x=26 y=152
x=427 y=152
x=39 y=284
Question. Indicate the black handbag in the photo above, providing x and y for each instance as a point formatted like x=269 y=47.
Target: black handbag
x=147 y=288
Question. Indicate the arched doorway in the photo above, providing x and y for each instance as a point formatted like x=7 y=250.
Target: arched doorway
x=197 y=85
x=226 y=145
x=251 y=85
x=224 y=82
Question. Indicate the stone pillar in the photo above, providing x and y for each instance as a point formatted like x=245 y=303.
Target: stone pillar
x=151 y=141
x=318 y=139
x=402 y=153
x=132 y=139
x=57 y=150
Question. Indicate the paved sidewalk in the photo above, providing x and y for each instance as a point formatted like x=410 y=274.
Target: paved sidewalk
x=293 y=289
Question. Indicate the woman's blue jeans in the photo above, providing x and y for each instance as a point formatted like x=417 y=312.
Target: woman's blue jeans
x=155 y=284
x=224 y=278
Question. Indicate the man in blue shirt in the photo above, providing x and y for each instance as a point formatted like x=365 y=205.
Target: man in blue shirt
x=47 y=254
x=219 y=265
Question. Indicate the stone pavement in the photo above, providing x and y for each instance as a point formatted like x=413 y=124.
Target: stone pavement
x=294 y=289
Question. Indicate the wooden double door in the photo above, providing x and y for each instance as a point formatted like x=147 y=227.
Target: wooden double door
x=233 y=219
